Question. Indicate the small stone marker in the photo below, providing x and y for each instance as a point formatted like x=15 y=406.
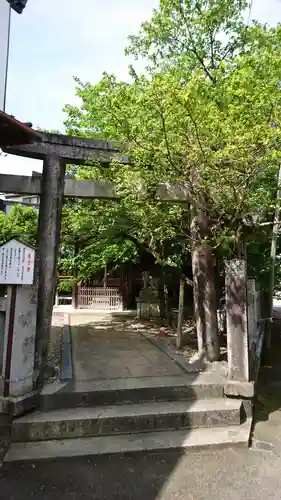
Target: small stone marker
x=17 y=261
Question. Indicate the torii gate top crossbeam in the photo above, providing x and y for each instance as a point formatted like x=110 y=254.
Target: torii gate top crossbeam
x=78 y=150
x=72 y=150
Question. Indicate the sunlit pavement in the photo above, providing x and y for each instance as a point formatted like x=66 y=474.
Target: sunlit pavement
x=225 y=474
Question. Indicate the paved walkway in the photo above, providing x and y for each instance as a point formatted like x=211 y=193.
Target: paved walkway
x=206 y=475
x=103 y=353
x=106 y=347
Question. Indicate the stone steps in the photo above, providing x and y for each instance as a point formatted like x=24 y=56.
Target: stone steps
x=126 y=419
x=192 y=386
x=130 y=415
x=194 y=439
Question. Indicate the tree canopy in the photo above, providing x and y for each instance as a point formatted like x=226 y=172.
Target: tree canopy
x=21 y=223
x=206 y=113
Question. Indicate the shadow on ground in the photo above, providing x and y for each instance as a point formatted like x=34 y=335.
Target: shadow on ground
x=269 y=384
x=267 y=418
x=158 y=333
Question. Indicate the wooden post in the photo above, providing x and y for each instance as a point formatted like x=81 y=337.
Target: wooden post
x=198 y=298
x=180 y=313
x=237 y=320
x=74 y=302
x=48 y=238
x=105 y=276
x=273 y=249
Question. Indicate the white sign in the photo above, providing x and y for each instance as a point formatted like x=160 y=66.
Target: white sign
x=5 y=10
x=16 y=263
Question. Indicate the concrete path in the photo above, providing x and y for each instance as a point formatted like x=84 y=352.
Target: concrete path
x=107 y=353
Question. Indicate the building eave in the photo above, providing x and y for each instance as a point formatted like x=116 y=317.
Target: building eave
x=18 y=5
x=14 y=132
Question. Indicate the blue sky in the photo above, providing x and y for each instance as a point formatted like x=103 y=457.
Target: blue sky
x=54 y=40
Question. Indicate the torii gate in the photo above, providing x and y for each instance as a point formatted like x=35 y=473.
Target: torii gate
x=56 y=151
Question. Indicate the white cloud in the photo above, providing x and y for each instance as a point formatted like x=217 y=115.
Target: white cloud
x=267 y=11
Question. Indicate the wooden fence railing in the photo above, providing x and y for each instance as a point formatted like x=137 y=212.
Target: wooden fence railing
x=100 y=298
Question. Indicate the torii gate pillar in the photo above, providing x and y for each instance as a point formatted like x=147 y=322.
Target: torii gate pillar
x=51 y=201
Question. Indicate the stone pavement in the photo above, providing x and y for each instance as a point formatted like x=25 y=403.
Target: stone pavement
x=107 y=353
x=117 y=346
x=212 y=475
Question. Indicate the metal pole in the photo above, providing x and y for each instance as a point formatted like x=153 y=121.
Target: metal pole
x=7 y=59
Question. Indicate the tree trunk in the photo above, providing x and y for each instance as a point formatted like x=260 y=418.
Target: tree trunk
x=210 y=310
x=161 y=291
x=204 y=287
x=180 y=313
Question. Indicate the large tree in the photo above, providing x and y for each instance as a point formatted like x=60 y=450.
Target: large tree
x=206 y=114
x=21 y=223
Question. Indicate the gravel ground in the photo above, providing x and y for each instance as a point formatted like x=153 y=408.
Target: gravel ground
x=54 y=354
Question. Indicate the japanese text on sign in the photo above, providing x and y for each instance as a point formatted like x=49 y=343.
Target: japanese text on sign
x=16 y=263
